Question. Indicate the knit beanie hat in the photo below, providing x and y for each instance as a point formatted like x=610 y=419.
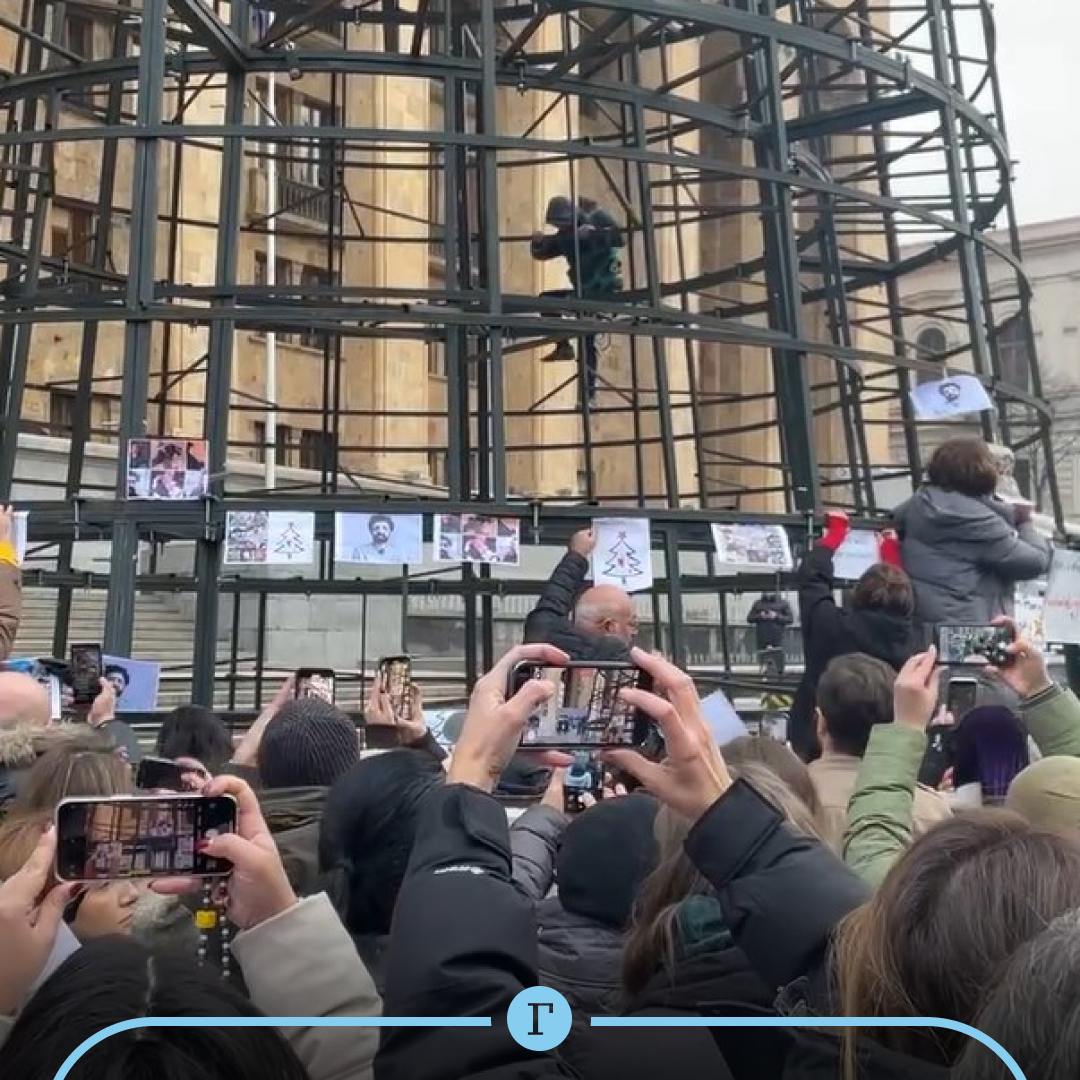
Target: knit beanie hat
x=309 y=743
x=606 y=853
x=1047 y=793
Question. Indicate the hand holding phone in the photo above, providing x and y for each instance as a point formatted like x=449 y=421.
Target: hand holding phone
x=586 y=708
x=317 y=683
x=395 y=681
x=127 y=837
x=973 y=644
x=159 y=774
x=87 y=670
x=259 y=888
x=583 y=784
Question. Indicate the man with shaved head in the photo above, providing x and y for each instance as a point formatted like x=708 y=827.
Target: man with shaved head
x=598 y=623
x=24 y=702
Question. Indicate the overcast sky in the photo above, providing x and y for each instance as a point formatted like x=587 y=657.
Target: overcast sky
x=1039 y=64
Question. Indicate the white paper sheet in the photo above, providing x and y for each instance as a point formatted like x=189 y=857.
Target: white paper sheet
x=623 y=554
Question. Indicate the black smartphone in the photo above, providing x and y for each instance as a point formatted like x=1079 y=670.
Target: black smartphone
x=586 y=709
x=395 y=673
x=155 y=772
x=972 y=644
x=938 y=757
x=315 y=683
x=584 y=777
x=961 y=697
x=141 y=836
x=86 y=669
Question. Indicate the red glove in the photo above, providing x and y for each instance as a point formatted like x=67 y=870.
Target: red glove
x=837 y=528
x=889 y=548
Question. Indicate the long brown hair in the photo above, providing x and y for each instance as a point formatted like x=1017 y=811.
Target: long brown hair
x=945 y=922
x=653 y=938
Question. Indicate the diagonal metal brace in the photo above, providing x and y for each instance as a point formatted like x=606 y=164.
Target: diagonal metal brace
x=212 y=33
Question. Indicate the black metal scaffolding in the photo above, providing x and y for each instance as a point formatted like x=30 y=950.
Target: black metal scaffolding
x=779 y=168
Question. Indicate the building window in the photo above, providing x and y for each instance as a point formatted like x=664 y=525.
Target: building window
x=316 y=449
x=932 y=345
x=313 y=277
x=310 y=157
x=258 y=437
x=436 y=358
x=284 y=445
x=1013 y=355
x=74 y=239
x=79 y=35
x=61 y=412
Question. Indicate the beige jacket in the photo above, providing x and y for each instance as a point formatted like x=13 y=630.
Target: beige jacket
x=303 y=963
x=834 y=778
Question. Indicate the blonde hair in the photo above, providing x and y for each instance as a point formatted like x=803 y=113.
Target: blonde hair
x=19 y=835
x=83 y=765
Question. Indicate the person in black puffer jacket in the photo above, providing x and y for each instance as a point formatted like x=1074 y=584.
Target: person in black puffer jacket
x=682 y=960
x=605 y=855
x=880 y=623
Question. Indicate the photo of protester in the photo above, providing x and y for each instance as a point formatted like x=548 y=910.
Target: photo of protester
x=167 y=469
x=477 y=538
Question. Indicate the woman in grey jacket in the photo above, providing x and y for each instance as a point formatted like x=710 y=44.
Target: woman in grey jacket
x=964 y=549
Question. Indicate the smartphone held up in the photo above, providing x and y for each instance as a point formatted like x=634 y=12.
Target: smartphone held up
x=395 y=676
x=587 y=709
x=133 y=837
x=972 y=645
x=316 y=683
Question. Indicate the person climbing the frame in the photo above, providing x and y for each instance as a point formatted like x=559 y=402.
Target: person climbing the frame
x=587 y=236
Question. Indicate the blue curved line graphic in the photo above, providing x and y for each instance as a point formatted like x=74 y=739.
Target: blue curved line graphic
x=264 y=1022
x=815 y=1022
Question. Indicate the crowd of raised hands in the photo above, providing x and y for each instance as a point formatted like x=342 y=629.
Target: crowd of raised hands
x=796 y=916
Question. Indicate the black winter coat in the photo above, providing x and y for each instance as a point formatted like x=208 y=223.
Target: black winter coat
x=769 y=616
x=783 y=896
x=550 y=621
x=580 y=957
x=830 y=631
x=463 y=944
x=715 y=983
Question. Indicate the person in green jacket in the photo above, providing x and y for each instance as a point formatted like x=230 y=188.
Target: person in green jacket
x=880 y=812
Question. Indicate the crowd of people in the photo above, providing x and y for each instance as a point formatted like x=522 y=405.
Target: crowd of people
x=840 y=875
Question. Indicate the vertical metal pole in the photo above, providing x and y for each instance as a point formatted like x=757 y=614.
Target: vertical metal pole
x=219 y=375
x=260 y=649
x=492 y=262
x=652 y=274
x=270 y=360
x=782 y=269
x=31 y=183
x=677 y=641
x=80 y=430
x=138 y=331
x=969 y=275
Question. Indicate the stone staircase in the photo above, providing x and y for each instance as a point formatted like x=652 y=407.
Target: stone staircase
x=162 y=633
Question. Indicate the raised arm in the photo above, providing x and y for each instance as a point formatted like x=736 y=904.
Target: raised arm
x=880 y=812
x=1050 y=712
x=551 y=616
x=464 y=937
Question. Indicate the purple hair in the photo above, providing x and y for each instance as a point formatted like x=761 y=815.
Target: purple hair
x=989 y=747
